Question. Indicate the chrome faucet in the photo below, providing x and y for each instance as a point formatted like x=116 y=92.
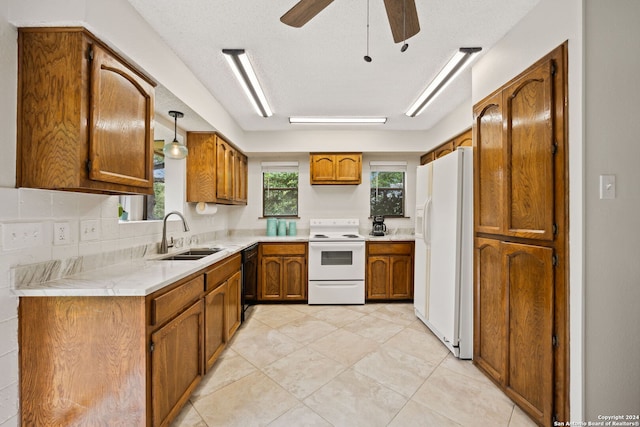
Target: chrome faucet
x=164 y=247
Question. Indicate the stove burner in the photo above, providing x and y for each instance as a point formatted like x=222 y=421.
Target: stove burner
x=350 y=236
x=321 y=236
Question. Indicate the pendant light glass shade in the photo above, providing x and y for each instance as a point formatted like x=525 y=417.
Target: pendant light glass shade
x=174 y=149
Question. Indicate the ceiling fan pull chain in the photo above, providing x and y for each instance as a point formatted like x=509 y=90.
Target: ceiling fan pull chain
x=367 y=58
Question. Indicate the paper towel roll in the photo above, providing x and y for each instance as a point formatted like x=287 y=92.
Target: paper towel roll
x=203 y=208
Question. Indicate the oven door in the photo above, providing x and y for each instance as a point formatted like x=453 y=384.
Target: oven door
x=336 y=260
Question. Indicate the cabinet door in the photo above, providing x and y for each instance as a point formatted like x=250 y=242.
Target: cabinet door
x=378 y=270
x=529 y=126
x=464 y=140
x=490 y=310
x=271 y=278
x=176 y=363
x=233 y=305
x=427 y=158
x=216 y=324
x=348 y=168
x=121 y=130
x=528 y=274
x=401 y=277
x=443 y=150
x=201 y=167
x=294 y=281
x=240 y=181
x=224 y=170
x=489 y=167
x=322 y=167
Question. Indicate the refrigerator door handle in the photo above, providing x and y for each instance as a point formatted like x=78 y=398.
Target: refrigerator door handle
x=426 y=224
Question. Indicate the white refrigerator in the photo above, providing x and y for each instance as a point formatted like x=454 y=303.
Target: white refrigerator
x=443 y=277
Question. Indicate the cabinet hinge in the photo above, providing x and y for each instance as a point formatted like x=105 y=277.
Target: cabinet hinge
x=554 y=68
x=151 y=347
x=88 y=164
x=554 y=260
x=90 y=54
x=554 y=148
x=554 y=228
x=554 y=341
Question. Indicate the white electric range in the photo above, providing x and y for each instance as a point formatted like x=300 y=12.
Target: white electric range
x=336 y=262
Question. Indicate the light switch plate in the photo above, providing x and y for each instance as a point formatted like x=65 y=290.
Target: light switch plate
x=89 y=229
x=21 y=235
x=607 y=186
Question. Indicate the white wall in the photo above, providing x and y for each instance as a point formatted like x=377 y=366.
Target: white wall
x=612 y=270
x=325 y=201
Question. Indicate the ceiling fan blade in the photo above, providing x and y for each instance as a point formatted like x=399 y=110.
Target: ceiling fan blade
x=403 y=19
x=303 y=11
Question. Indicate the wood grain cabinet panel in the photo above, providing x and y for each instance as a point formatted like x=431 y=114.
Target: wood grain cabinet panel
x=389 y=274
x=335 y=168
x=176 y=363
x=85 y=116
x=521 y=331
x=217 y=172
x=283 y=272
x=443 y=150
x=215 y=339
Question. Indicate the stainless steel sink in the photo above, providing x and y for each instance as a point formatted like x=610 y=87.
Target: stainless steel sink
x=191 y=254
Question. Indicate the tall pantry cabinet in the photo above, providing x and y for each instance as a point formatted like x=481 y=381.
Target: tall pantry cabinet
x=521 y=229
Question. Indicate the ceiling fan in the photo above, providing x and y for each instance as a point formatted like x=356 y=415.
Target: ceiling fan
x=402 y=14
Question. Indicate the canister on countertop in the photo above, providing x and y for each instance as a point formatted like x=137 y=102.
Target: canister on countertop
x=272 y=224
x=282 y=227
x=292 y=228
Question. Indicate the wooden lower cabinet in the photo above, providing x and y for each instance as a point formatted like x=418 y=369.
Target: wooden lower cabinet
x=176 y=363
x=222 y=306
x=283 y=272
x=129 y=360
x=514 y=336
x=389 y=274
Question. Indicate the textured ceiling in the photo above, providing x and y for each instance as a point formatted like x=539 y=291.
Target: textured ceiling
x=319 y=69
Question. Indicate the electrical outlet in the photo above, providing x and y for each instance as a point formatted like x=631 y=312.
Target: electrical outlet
x=61 y=233
x=21 y=235
x=89 y=229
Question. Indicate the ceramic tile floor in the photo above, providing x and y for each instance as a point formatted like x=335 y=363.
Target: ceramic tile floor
x=370 y=365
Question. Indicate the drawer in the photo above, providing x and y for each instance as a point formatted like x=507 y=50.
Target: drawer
x=222 y=270
x=170 y=303
x=389 y=248
x=283 y=248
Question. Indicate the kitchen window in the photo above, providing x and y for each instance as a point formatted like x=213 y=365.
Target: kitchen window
x=279 y=189
x=388 y=186
x=149 y=207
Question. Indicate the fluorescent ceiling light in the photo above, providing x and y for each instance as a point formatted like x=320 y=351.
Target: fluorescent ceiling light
x=338 y=120
x=446 y=75
x=239 y=63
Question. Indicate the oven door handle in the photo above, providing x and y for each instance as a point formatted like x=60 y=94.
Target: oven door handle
x=336 y=245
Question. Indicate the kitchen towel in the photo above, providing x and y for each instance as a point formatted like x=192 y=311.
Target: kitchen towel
x=203 y=208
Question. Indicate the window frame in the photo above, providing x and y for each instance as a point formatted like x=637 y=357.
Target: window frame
x=391 y=167
x=276 y=167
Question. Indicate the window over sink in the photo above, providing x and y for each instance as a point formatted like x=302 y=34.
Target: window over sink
x=280 y=189
x=388 y=188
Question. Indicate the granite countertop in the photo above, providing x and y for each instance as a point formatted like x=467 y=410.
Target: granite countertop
x=143 y=276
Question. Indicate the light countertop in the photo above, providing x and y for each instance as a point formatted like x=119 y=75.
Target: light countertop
x=143 y=276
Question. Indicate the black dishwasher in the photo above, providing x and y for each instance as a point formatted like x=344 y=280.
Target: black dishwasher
x=249 y=277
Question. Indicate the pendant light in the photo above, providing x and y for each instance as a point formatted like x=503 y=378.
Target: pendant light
x=405 y=45
x=367 y=58
x=175 y=150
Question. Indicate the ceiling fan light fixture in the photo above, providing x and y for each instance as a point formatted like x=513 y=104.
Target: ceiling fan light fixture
x=173 y=149
x=242 y=69
x=338 y=120
x=450 y=71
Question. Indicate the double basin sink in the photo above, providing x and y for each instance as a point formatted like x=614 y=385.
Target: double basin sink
x=191 y=254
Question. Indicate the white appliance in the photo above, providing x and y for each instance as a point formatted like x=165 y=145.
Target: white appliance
x=336 y=262
x=443 y=276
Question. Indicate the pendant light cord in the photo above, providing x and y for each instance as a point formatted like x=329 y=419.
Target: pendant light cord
x=367 y=58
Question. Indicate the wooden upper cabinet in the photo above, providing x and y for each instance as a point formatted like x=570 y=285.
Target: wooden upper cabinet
x=443 y=150
x=201 y=171
x=85 y=116
x=530 y=177
x=463 y=140
x=336 y=168
x=216 y=171
x=488 y=165
x=427 y=158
